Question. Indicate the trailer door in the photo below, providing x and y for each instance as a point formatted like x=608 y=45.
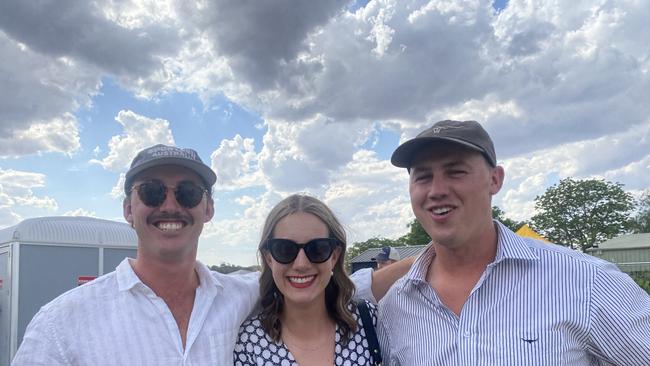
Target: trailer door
x=5 y=302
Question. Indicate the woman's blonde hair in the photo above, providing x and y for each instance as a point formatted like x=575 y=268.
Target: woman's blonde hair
x=339 y=290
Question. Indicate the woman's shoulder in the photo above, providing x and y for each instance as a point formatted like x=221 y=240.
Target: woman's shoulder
x=252 y=325
x=354 y=307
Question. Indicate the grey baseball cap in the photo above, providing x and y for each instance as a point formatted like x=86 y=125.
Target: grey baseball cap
x=387 y=253
x=467 y=133
x=168 y=155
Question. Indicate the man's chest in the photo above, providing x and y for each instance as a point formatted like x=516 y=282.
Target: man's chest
x=495 y=327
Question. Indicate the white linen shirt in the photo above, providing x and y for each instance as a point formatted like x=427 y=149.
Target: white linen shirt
x=117 y=320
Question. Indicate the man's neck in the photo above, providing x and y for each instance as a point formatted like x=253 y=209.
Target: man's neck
x=472 y=256
x=166 y=278
x=454 y=271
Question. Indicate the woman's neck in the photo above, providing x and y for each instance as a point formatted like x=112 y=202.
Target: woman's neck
x=306 y=320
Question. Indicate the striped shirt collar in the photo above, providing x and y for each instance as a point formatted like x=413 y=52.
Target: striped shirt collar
x=128 y=279
x=509 y=246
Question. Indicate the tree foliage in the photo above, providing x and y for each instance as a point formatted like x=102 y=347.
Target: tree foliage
x=415 y=236
x=579 y=213
x=499 y=215
x=642 y=279
x=642 y=218
x=229 y=268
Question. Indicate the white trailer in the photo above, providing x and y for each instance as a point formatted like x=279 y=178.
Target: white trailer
x=41 y=258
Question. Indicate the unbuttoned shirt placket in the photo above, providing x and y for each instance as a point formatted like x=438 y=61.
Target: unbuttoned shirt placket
x=467 y=324
x=203 y=299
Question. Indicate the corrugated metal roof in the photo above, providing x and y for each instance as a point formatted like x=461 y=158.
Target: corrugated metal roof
x=71 y=230
x=628 y=241
x=404 y=252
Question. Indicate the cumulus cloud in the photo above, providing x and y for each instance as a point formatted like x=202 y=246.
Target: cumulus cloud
x=371 y=197
x=80 y=212
x=57 y=135
x=80 y=30
x=235 y=162
x=16 y=190
x=261 y=38
x=139 y=132
x=37 y=98
x=237 y=237
x=621 y=157
x=562 y=89
x=298 y=156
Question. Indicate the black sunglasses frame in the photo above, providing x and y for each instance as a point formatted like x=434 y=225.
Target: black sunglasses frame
x=184 y=193
x=309 y=248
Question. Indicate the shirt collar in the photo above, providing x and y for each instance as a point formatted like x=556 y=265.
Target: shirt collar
x=512 y=246
x=509 y=246
x=128 y=279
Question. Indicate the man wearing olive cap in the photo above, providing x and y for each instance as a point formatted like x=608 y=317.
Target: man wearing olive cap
x=480 y=294
x=163 y=307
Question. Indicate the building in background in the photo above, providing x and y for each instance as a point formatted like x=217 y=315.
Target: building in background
x=631 y=252
x=367 y=258
x=43 y=257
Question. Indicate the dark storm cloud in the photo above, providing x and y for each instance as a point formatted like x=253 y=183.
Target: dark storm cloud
x=261 y=37
x=78 y=30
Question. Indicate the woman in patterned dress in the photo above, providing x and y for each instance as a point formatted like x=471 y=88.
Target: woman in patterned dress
x=307 y=316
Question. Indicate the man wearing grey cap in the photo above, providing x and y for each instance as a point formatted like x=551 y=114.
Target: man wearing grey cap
x=386 y=257
x=163 y=307
x=480 y=294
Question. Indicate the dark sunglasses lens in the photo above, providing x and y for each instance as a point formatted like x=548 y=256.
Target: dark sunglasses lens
x=283 y=251
x=319 y=250
x=152 y=193
x=188 y=194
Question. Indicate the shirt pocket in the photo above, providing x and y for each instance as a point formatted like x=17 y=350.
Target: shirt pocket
x=531 y=348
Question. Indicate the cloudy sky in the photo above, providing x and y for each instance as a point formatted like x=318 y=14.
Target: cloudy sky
x=291 y=96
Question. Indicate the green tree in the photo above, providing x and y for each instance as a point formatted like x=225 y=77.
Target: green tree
x=498 y=214
x=579 y=213
x=415 y=236
x=642 y=279
x=228 y=268
x=642 y=218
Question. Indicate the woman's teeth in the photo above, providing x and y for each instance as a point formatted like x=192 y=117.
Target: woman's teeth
x=301 y=279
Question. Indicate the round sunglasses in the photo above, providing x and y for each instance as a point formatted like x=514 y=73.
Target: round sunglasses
x=153 y=192
x=317 y=250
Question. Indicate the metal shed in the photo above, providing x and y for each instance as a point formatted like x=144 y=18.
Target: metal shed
x=365 y=259
x=41 y=258
x=631 y=252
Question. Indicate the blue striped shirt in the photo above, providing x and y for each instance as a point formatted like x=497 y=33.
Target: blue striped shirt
x=536 y=304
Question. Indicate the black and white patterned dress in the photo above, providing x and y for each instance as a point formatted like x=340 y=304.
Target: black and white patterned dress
x=255 y=348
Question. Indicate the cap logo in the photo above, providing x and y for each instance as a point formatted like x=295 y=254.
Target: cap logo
x=165 y=151
x=439 y=129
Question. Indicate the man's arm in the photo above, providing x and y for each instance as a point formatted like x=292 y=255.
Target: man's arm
x=39 y=345
x=373 y=285
x=620 y=319
x=383 y=279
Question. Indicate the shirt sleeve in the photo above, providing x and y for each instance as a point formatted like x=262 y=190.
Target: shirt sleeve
x=40 y=345
x=363 y=283
x=620 y=319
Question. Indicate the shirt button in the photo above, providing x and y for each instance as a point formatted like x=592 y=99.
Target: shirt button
x=467 y=334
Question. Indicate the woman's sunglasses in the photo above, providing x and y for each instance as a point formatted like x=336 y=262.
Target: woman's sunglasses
x=153 y=192
x=285 y=251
